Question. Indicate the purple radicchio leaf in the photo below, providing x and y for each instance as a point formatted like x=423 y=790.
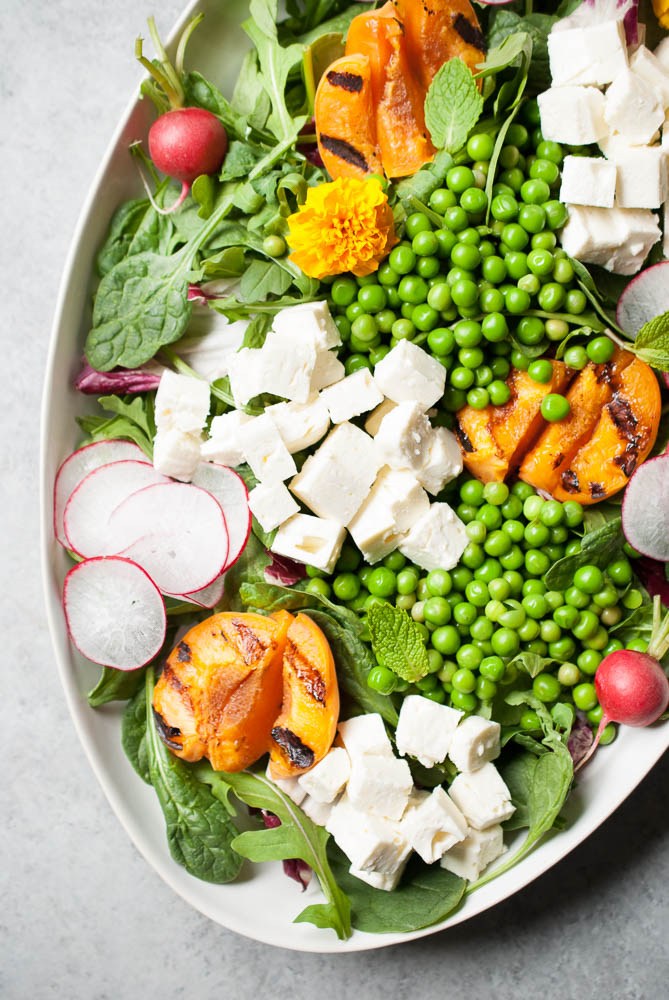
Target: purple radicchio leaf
x=120 y=380
x=653 y=577
x=284 y=571
x=580 y=738
x=294 y=868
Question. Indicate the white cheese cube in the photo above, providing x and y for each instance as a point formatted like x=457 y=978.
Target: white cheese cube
x=211 y=341
x=326 y=779
x=594 y=54
x=182 y=403
x=618 y=239
x=434 y=826
x=311 y=540
x=373 y=421
x=632 y=108
x=482 y=796
x=288 y=361
x=471 y=856
x=437 y=540
x=441 y=461
x=327 y=370
x=379 y=785
x=265 y=451
x=176 y=453
x=353 y=395
x=647 y=65
x=289 y=786
x=661 y=53
x=408 y=373
x=334 y=481
x=380 y=880
x=425 y=729
x=248 y=375
x=318 y=812
x=371 y=843
x=665 y=229
x=224 y=444
x=588 y=180
x=641 y=177
x=365 y=735
x=396 y=500
x=404 y=436
x=300 y=424
x=271 y=504
x=474 y=743
x=573 y=115
x=313 y=321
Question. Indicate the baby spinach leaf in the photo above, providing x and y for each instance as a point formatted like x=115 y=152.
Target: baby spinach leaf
x=518 y=774
x=453 y=106
x=133 y=734
x=425 y=895
x=114 y=685
x=505 y=23
x=397 y=642
x=598 y=548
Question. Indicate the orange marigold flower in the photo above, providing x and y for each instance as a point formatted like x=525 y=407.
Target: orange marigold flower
x=345 y=225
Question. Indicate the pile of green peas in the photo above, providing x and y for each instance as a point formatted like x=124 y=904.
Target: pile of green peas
x=475 y=618
x=482 y=287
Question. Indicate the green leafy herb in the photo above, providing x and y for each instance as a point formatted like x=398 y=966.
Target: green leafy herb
x=506 y=23
x=256 y=331
x=518 y=774
x=598 y=548
x=587 y=286
x=114 y=685
x=453 y=106
x=511 y=48
x=132 y=420
x=397 y=642
x=651 y=343
x=133 y=734
x=424 y=181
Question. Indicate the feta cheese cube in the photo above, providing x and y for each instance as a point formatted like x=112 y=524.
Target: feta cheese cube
x=224 y=444
x=588 y=180
x=396 y=500
x=425 y=729
x=641 y=177
x=311 y=540
x=176 y=453
x=365 y=734
x=474 y=743
x=632 y=108
x=404 y=436
x=289 y=786
x=647 y=65
x=434 y=826
x=211 y=341
x=288 y=364
x=334 y=481
x=182 y=403
x=618 y=239
x=471 y=856
x=371 y=843
x=441 y=461
x=380 y=880
x=300 y=424
x=573 y=115
x=661 y=53
x=373 y=421
x=318 y=812
x=594 y=54
x=265 y=451
x=436 y=540
x=247 y=374
x=379 y=785
x=313 y=321
x=326 y=779
x=327 y=370
x=408 y=373
x=353 y=395
x=271 y=504
x=482 y=796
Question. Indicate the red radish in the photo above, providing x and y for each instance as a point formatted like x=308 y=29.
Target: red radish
x=208 y=597
x=114 y=612
x=181 y=539
x=632 y=687
x=230 y=490
x=644 y=298
x=89 y=509
x=645 y=509
x=77 y=466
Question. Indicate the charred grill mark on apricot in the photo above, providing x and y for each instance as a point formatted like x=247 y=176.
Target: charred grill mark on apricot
x=173 y=678
x=350 y=82
x=462 y=437
x=469 y=32
x=605 y=373
x=558 y=460
x=167 y=733
x=250 y=647
x=307 y=674
x=627 y=462
x=297 y=752
x=184 y=652
x=345 y=151
x=596 y=490
x=570 y=481
x=623 y=417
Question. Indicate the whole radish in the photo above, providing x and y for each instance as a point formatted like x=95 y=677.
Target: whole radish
x=632 y=687
x=184 y=142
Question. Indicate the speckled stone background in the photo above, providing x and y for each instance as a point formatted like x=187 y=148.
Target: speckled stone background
x=82 y=917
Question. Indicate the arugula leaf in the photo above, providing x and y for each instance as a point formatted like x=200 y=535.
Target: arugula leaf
x=397 y=642
x=426 y=180
x=256 y=331
x=297 y=837
x=598 y=548
x=504 y=55
x=453 y=105
x=114 y=685
x=263 y=278
x=587 y=285
x=239 y=161
x=507 y=23
x=133 y=421
x=651 y=343
x=426 y=895
x=202 y=93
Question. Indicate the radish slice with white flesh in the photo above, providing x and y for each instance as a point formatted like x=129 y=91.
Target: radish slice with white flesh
x=114 y=612
x=208 y=597
x=77 y=466
x=644 y=298
x=226 y=486
x=645 y=511
x=89 y=509
x=181 y=539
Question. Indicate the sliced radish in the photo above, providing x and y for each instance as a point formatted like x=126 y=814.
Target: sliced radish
x=645 y=512
x=77 y=466
x=208 y=597
x=230 y=490
x=114 y=612
x=181 y=539
x=646 y=297
x=88 y=511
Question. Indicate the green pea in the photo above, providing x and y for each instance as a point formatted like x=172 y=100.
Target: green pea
x=600 y=350
x=480 y=146
x=585 y=696
x=505 y=642
x=537 y=534
x=489 y=570
x=437 y=611
x=343 y=292
x=546 y=687
x=530 y=721
x=562 y=649
x=566 y=616
x=535 y=605
x=589 y=579
x=535 y=192
x=346 y=586
x=274 y=246
x=382 y=680
x=319 y=587
x=382 y=582
x=463 y=679
x=465 y=702
x=494 y=269
x=568 y=674
x=555 y=407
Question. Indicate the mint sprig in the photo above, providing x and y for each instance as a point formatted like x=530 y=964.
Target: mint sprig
x=453 y=105
x=397 y=642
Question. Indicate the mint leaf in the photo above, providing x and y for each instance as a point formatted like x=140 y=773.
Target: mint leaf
x=651 y=343
x=453 y=106
x=397 y=642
